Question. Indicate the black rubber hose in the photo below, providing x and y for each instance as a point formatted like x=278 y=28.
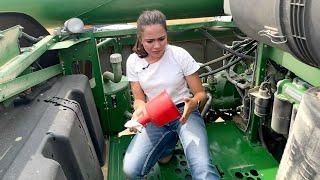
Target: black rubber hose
x=31 y=38
x=247 y=45
x=260 y=132
x=219 y=44
x=229 y=64
x=228 y=55
x=216 y=60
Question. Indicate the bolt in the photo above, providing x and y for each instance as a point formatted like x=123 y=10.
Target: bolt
x=249 y=71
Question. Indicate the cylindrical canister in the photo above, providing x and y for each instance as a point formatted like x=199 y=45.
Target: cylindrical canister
x=281 y=115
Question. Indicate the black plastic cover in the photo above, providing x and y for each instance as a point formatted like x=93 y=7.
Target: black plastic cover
x=56 y=136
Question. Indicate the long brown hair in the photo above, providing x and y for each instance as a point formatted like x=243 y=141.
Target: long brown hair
x=147 y=18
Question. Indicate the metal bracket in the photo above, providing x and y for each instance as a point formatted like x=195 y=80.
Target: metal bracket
x=273 y=35
x=15 y=86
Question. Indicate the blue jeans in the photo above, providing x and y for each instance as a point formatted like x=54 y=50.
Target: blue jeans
x=153 y=143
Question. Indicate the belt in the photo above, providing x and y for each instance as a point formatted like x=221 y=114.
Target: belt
x=180 y=105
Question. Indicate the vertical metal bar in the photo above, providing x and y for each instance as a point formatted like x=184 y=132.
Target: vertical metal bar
x=88 y=51
x=260 y=71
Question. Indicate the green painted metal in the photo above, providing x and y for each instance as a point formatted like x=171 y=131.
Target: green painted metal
x=171 y=28
x=118 y=102
x=261 y=64
x=67 y=43
x=109 y=41
x=112 y=99
x=290 y=91
x=49 y=12
x=308 y=73
x=231 y=151
x=224 y=93
x=175 y=169
x=19 y=63
x=260 y=73
x=9 y=44
x=117 y=149
x=87 y=51
x=189 y=35
x=20 y=84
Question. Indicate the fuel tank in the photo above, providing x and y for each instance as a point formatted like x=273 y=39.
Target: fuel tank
x=49 y=12
x=290 y=25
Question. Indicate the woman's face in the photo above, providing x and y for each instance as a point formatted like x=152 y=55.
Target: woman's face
x=154 y=41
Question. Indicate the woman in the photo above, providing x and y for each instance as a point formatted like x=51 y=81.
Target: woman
x=155 y=66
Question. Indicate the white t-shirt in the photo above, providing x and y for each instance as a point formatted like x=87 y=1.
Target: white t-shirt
x=168 y=73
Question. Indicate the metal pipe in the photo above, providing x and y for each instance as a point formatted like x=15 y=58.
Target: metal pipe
x=207 y=105
x=107 y=42
x=228 y=55
x=116 y=76
x=18 y=64
x=228 y=65
x=216 y=60
x=115 y=60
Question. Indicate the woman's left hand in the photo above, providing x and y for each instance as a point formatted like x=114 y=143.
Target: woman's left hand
x=190 y=105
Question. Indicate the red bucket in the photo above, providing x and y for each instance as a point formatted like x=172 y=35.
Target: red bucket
x=160 y=110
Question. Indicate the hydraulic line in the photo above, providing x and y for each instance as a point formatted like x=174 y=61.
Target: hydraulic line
x=237 y=84
x=260 y=131
x=207 y=105
x=31 y=38
x=219 y=44
x=208 y=68
x=228 y=65
x=229 y=55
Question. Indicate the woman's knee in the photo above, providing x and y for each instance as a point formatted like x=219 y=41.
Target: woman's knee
x=130 y=169
x=130 y=173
